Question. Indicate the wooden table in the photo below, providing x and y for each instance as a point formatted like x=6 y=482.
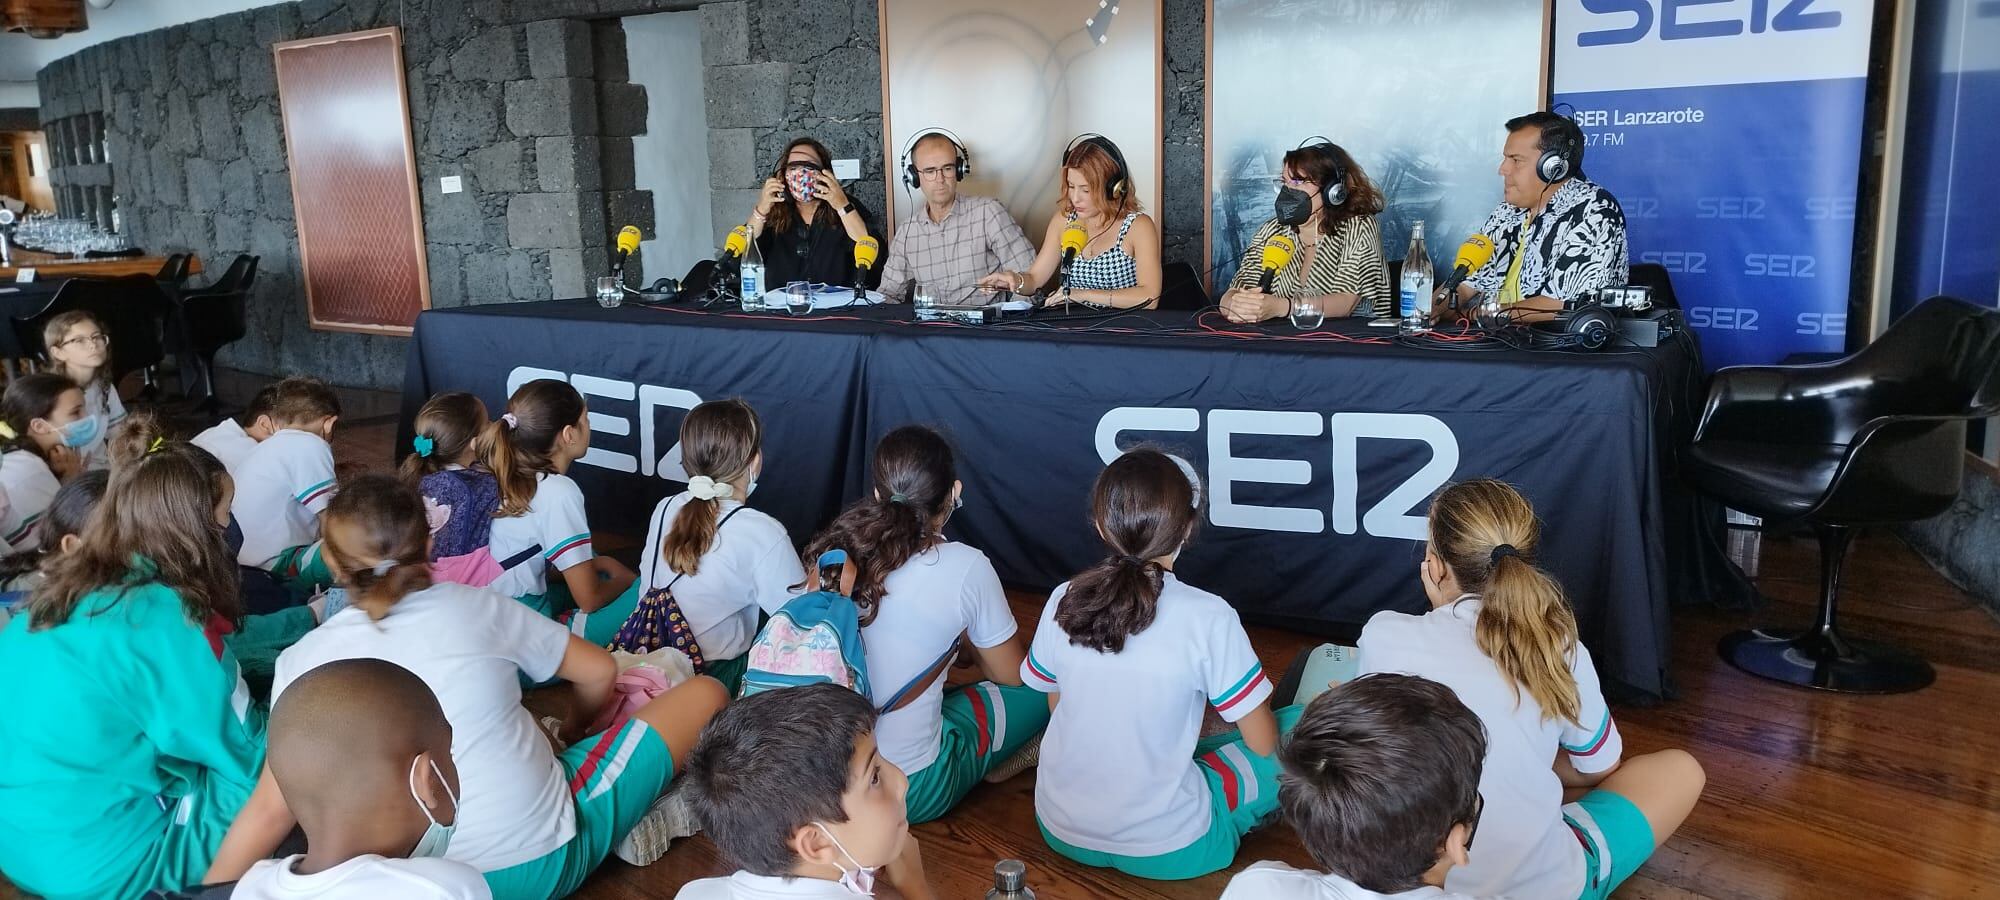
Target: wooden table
x=55 y=267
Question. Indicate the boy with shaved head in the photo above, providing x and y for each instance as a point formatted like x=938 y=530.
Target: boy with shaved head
x=362 y=754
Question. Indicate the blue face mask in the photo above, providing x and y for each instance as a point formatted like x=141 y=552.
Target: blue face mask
x=437 y=837
x=80 y=432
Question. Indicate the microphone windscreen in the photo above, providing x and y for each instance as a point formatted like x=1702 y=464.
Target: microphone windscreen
x=866 y=251
x=1074 y=237
x=1278 y=251
x=1474 y=253
x=628 y=240
x=737 y=241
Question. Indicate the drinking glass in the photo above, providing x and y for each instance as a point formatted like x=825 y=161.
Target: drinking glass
x=798 y=298
x=922 y=298
x=610 y=293
x=1308 y=313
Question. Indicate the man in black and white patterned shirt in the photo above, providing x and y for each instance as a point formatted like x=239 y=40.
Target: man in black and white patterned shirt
x=1555 y=234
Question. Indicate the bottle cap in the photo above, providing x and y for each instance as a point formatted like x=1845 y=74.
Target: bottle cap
x=1010 y=875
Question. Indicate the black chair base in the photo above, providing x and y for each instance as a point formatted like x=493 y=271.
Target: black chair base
x=1826 y=661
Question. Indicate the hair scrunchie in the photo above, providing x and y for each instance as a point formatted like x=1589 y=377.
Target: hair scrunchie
x=382 y=568
x=899 y=497
x=423 y=445
x=702 y=487
x=1501 y=552
x=511 y=420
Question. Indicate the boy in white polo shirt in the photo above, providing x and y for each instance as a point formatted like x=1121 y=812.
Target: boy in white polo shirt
x=789 y=786
x=233 y=442
x=362 y=752
x=1381 y=783
x=283 y=486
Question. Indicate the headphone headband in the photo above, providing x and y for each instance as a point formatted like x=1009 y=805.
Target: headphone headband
x=1335 y=191
x=1121 y=183
x=961 y=158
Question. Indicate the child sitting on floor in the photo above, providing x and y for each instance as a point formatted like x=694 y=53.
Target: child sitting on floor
x=81 y=352
x=789 y=786
x=362 y=752
x=723 y=563
x=1131 y=656
x=1381 y=783
x=43 y=430
x=231 y=441
x=1502 y=636
x=920 y=594
x=285 y=484
x=540 y=526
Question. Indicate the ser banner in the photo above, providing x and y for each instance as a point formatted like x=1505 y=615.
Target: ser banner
x=1730 y=131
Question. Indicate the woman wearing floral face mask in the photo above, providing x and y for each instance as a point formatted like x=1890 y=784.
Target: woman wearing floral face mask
x=805 y=225
x=1327 y=205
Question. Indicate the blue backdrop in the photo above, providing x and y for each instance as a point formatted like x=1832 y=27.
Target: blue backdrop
x=1731 y=134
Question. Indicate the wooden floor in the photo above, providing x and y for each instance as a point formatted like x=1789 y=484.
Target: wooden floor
x=1809 y=795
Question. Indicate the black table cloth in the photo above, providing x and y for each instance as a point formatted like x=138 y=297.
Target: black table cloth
x=1320 y=455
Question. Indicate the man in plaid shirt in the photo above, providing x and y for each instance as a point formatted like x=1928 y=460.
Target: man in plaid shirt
x=947 y=244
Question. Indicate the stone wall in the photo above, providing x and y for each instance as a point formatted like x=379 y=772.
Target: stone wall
x=529 y=103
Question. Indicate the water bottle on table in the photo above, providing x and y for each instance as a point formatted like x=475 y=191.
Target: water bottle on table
x=1418 y=280
x=753 y=279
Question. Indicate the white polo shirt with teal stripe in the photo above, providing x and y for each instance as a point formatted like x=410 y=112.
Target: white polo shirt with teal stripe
x=29 y=487
x=1118 y=773
x=1524 y=849
x=555 y=523
x=281 y=489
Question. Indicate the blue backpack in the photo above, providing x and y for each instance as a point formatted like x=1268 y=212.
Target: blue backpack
x=816 y=638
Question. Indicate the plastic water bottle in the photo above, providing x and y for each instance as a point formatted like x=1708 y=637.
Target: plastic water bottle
x=1418 y=279
x=753 y=279
x=1010 y=881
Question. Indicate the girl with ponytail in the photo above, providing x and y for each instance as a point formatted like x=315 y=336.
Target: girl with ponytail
x=1501 y=634
x=722 y=563
x=519 y=821
x=1130 y=657
x=920 y=595
x=540 y=524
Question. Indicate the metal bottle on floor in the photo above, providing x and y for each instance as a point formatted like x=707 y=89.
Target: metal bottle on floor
x=1010 y=881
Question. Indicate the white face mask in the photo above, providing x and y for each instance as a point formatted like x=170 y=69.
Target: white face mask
x=859 y=880
x=437 y=837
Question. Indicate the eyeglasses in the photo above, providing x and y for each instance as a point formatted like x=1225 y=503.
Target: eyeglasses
x=936 y=172
x=1478 y=809
x=1290 y=182
x=99 y=339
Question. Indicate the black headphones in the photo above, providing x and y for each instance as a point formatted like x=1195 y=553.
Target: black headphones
x=961 y=158
x=1559 y=161
x=1120 y=182
x=1333 y=192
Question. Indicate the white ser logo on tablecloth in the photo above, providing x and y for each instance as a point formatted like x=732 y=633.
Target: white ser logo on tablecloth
x=1389 y=518
x=650 y=397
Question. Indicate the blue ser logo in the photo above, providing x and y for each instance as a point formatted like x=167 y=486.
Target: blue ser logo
x=1795 y=15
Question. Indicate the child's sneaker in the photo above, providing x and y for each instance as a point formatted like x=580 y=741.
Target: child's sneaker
x=670 y=818
x=1023 y=759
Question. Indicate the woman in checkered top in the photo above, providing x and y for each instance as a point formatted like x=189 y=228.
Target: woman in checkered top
x=1119 y=265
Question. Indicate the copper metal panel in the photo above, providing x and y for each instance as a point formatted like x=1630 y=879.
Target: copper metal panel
x=354 y=180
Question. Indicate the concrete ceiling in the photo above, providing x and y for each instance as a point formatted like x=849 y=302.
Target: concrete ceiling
x=22 y=56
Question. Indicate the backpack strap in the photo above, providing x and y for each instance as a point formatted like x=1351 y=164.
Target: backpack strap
x=661 y=522
x=510 y=562
x=910 y=692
